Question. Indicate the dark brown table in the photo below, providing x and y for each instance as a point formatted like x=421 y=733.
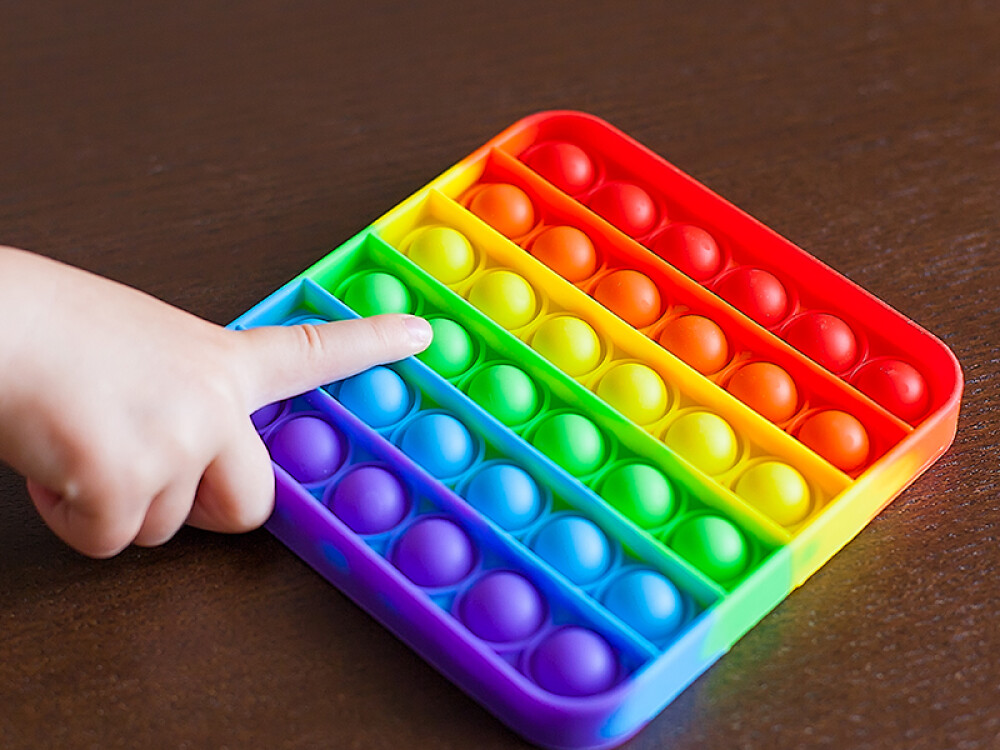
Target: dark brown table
x=207 y=154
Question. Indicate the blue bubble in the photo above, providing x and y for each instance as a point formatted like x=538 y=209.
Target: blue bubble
x=505 y=493
x=439 y=443
x=575 y=547
x=646 y=601
x=378 y=396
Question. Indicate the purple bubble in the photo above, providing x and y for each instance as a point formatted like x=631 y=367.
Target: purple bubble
x=434 y=552
x=369 y=499
x=503 y=606
x=309 y=448
x=574 y=661
x=266 y=414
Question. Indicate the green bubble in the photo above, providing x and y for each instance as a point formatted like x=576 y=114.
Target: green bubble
x=375 y=292
x=572 y=441
x=505 y=392
x=450 y=352
x=713 y=545
x=640 y=493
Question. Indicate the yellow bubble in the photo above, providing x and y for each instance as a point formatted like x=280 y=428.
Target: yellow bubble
x=776 y=490
x=505 y=297
x=443 y=252
x=569 y=343
x=705 y=440
x=635 y=390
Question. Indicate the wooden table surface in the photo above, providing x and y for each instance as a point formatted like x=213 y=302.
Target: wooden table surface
x=208 y=152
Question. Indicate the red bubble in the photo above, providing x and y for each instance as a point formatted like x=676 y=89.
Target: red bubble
x=824 y=338
x=504 y=207
x=630 y=295
x=690 y=249
x=625 y=205
x=895 y=385
x=565 y=165
x=757 y=293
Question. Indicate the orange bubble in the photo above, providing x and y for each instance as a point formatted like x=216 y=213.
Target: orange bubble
x=756 y=293
x=824 y=338
x=504 y=207
x=630 y=295
x=565 y=165
x=838 y=437
x=690 y=249
x=698 y=341
x=767 y=389
x=567 y=251
x=625 y=205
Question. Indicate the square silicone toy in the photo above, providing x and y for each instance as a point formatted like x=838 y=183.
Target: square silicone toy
x=644 y=419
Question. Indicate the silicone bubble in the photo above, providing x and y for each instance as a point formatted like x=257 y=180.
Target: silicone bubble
x=569 y=343
x=266 y=415
x=824 y=338
x=641 y=493
x=443 y=252
x=756 y=293
x=450 y=352
x=713 y=545
x=625 y=205
x=697 y=341
x=838 y=437
x=646 y=601
x=574 y=661
x=506 y=392
x=369 y=499
x=895 y=385
x=434 y=552
x=767 y=389
x=690 y=249
x=572 y=441
x=502 y=606
x=439 y=443
x=635 y=390
x=565 y=165
x=705 y=440
x=630 y=295
x=506 y=208
x=776 y=490
x=567 y=251
x=575 y=547
x=505 y=297
x=308 y=448
x=378 y=396
x=376 y=292
x=506 y=494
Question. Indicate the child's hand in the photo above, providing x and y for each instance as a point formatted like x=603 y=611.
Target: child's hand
x=129 y=417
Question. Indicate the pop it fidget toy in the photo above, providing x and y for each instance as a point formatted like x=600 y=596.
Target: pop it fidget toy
x=644 y=419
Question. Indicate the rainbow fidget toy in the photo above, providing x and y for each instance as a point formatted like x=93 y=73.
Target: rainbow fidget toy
x=644 y=419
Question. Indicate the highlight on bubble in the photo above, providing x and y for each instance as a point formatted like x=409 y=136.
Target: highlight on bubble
x=690 y=249
x=443 y=252
x=506 y=208
x=824 y=338
x=505 y=297
x=626 y=205
x=896 y=385
x=566 y=250
x=776 y=490
x=756 y=293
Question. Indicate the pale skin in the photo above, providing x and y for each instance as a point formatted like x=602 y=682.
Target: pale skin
x=129 y=417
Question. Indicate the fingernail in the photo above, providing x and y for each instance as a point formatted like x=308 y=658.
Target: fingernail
x=419 y=331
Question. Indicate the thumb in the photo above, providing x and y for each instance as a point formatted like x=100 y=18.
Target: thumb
x=278 y=362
